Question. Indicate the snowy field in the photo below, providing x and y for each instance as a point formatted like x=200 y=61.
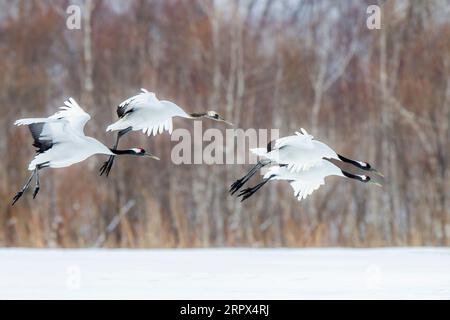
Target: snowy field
x=409 y=273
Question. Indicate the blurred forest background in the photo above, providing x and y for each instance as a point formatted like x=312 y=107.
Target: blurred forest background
x=382 y=96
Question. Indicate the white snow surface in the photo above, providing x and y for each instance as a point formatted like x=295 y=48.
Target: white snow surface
x=393 y=273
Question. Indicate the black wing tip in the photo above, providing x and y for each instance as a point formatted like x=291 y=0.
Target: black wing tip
x=41 y=144
x=122 y=111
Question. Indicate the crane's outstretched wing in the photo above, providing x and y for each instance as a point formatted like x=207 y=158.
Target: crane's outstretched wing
x=303 y=132
x=304 y=183
x=141 y=100
x=73 y=114
x=303 y=189
x=65 y=125
x=144 y=112
x=42 y=136
x=299 y=140
x=47 y=131
x=299 y=152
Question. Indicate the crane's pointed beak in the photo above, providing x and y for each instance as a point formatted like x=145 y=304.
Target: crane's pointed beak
x=377 y=184
x=377 y=172
x=225 y=121
x=149 y=155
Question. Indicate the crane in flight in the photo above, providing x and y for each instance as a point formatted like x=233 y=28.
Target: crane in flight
x=61 y=142
x=146 y=112
x=299 y=154
x=304 y=182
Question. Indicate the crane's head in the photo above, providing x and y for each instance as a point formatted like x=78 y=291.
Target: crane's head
x=215 y=116
x=367 y=179
x=366 y=166
x=360 y=164
x=360 y=177
x=141 y=152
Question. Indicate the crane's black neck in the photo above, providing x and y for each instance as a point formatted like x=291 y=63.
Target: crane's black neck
x=208 y=114
x=122 y=152
x=354 y=176
x=198 y=114
x=361 y=165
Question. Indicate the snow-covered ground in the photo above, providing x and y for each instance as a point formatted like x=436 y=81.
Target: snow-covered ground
x=403 y=273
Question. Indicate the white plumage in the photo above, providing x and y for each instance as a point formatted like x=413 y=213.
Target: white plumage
x=61 y=142
x=305 y=182
x=146 y=112
x=303 y=161
x=299 y=152
x=63 y=137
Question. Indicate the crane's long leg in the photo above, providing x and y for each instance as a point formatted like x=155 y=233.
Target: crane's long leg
x=247 y=193
x=353 y=162
x=25 y=187
x=106 y=167
x=240 y=182
x=37 y=187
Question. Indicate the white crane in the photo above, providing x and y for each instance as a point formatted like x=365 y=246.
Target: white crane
x=304 y=182
x=60 y=142
x=298 y=152
x=146 y=112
